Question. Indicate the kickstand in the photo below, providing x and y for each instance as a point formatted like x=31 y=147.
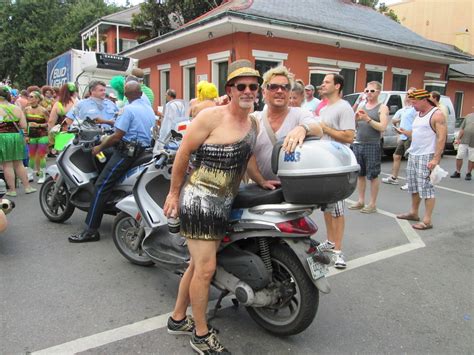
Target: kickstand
x=218 y=304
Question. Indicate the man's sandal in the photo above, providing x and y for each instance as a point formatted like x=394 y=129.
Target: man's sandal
x=408 y=217
x=422 y=226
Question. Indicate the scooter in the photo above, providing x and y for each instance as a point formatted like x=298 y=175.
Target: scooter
x=268 y=259
x=69 y=183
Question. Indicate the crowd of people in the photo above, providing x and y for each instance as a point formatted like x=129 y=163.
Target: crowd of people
x=242 y=135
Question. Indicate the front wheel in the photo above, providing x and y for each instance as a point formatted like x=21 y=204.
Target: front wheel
x=126 y=236
x=296 y=312
x=61 y=208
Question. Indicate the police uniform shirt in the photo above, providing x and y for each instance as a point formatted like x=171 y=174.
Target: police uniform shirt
x=136 y=120
x=92 y=108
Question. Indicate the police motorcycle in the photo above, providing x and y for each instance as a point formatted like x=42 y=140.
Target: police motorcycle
x=69 y=183
x=6 y=205
x=268 y=260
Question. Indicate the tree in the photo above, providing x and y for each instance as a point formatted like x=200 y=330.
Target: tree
x=32 y=32
x=382 y=8
x=388 y=12
x=157 y=13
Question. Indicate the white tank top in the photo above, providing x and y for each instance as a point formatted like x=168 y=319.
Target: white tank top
x=423 y=139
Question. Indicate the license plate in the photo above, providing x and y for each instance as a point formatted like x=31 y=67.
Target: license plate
x=317 y=270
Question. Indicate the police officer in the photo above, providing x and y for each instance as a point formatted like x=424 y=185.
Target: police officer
x=132 y=135
x=96 y=106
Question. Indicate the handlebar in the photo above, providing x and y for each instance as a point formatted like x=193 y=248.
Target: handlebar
x=161 y=161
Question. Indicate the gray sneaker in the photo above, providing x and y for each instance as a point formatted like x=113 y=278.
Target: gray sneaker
x=185 y=327
x=208 y=345
x=404 y=187
x=340 y=261
x=325 y=246
x=390 y=180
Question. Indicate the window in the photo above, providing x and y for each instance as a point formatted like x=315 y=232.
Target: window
x=316 y=78
x=274 y=58
x=349 y=80
x=375 y=73
x=189 y=78
x=374 y=76
x=164 y=70
x=434 y=85
x=394 y=103
x=400 y=78
x=458 y=101
x=189 y=83
x=399 y=82
x=320 y=67
x=265 y=65
x=146 y=79
x=125 y=44
x=220 y=63
x=440 y=89
x=222 y=76
x=146 y=76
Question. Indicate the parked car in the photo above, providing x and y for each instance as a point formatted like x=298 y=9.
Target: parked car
x=395 y=101
x=456 y=131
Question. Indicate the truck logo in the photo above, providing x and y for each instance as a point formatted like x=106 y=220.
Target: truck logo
x=59 y=70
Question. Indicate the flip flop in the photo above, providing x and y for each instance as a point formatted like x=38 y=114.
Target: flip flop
x=356 y=206
x=422 y=226
x=408 y=217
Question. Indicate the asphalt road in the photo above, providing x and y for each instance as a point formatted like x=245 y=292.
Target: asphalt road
x=402 y=292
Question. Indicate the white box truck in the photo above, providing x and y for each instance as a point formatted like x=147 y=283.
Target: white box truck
x=81 y=67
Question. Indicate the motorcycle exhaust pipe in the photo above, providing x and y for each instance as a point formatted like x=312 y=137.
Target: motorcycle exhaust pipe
x=242 y=291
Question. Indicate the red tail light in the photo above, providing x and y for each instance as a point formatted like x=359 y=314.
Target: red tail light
x=302 y=225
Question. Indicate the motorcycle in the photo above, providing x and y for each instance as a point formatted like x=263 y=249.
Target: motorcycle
x=268 y=259
x=69 y=183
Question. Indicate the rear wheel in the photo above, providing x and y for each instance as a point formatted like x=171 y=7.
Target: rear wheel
x=126 y=236
x=298 y=308
x=61 y=208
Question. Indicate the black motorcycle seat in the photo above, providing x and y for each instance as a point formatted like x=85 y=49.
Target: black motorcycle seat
x=253 y=195
x=142 y=158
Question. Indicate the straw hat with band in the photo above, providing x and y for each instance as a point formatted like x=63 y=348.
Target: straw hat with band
x=242 y=68
x=420 y=94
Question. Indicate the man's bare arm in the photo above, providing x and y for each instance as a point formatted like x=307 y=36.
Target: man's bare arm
x=345 y=136
x=439 y=125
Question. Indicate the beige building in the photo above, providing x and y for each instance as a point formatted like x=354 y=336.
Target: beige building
x=447 y=21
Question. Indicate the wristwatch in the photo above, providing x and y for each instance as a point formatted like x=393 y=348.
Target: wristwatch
x=306 y=127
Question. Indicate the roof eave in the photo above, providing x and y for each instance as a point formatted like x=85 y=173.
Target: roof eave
x=376 y=44
x=111 y=23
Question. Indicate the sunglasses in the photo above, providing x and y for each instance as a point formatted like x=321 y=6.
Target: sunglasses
x=275 y=87
x=242 y=87
x=32 y=97
x=372 y=90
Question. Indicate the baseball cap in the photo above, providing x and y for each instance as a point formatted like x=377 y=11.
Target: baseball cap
x=309 y=87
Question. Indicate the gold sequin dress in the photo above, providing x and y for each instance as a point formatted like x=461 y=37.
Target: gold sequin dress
x=206 y=198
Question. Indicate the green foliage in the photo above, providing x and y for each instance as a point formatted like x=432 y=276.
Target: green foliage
x=382 y=8
x=156 y=13
x=388 y=12
x=34 y=31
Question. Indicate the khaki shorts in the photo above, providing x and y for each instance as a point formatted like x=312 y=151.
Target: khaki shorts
x=402 y=147
x=465 y=151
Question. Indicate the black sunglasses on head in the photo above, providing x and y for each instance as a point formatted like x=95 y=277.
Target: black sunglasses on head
x=242 y=87
x=275 y=87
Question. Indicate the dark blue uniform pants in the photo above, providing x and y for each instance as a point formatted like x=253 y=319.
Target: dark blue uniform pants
x=116 y=167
